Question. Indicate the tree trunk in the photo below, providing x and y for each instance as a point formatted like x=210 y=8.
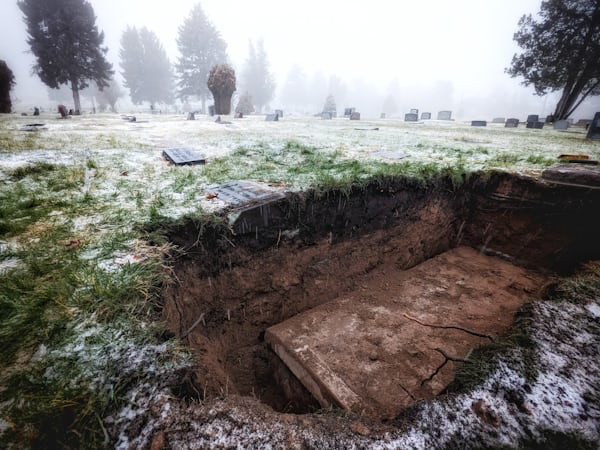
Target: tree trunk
x=76 y=100
x=223 y=102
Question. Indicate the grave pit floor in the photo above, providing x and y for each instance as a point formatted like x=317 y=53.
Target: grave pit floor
x=371 y=351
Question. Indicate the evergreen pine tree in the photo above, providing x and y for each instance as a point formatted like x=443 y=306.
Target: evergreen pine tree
x=256 y=76
x=7 y=81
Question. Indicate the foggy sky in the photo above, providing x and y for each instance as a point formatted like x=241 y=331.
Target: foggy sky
x=420 y=47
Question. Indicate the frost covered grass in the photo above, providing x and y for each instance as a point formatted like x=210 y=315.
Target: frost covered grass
x=80 y=274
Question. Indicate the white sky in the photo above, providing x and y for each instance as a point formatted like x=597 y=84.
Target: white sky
x=466 y=42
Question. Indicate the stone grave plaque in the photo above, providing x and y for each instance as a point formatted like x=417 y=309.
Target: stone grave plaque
x=34 y=127
x=326 y=115
x=367 y=128
x=511 y=123
x=594 y=129
x=498 y=120
x=426 y=116
x=255 y=206
x=348 y=111
x=561 y=124
x=444 y=115
x=279 y=112
x=533 y=118
x=183 y=156
x=411 y=117
x=355 y=116
x=478 y=123
x=535 y=125
x=272 y=118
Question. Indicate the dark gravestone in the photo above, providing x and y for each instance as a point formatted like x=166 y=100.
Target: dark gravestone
x=34 y=127
x=478 y=123
x=355 y=116
x=272 y=118
x=348 y=111
x=211 y=110
x=561 y=124
x=191 y=116
x=511 y=123
x=583 y=123
x=279 y=112
x=183 y=156
x=594 y=128
x=326 y=115
x=411 y=117
x=498 y=120
x=36 y=111
x=444 y=115
x=62 y=109
x=535 y=125
x=550 y=118
x=426 y=116
x=414 y=111
x=533 y=118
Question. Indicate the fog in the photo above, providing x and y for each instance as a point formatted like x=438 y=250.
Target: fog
x=430 y=55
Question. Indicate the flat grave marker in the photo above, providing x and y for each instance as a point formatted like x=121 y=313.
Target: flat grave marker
x=183 y=156
x=478 y=123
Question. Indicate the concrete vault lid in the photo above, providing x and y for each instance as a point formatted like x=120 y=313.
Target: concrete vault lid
x=373 y=352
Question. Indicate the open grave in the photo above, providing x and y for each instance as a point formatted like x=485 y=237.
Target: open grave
x=367 y=300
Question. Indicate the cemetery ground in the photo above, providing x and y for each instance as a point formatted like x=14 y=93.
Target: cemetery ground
x=314 y=284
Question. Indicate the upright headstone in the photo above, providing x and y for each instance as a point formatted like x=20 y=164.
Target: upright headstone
x=272 y=118
x=498 y=120
x=533 y=118
x=211 y=110
x=511 y=123
x=238 y=115
x=191 y=116
x=594 y=128
x=414 y=111
x=426 y=116
x=36 y=111
x=355 y=116
x=279 y=112
x=411 y=117
x=183 y=156
x=326 y=115
x=479 y=123
x=348 y=111
x=444 y=115
x=538 y=125
x=561 y=124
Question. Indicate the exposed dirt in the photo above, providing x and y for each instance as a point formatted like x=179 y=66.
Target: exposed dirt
x=230 y=288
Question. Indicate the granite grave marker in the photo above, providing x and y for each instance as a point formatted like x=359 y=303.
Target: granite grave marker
x=183 y=156
x=594 y=128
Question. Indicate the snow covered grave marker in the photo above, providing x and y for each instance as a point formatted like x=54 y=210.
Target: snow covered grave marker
x=183 y=156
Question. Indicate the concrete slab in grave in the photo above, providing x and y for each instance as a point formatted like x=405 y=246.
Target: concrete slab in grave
x=388 y=154
x=272 y=118
x=535 y=125
x=498 y=120
x=479 y=123
x=444 y=115
x=254 y=205
x=511 y=123
x=411 y=117
x=183 y=156
x=594 y=128
x=426 y=116
x=561 y=124
x=582 y=175
x=374 y=353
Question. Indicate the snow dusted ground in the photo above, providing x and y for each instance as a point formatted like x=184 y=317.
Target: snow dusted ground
x=123 y=169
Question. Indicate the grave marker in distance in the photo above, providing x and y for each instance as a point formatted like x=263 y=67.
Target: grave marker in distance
x=532 y=118
x=183 y=156
x=426 y=116
x=414 y=111
x=355 y=116
x=561 y=124
x=272 y=118
x=511 y=123
x=348 y=111
x=535 y=125
x=478 y=123
x=279 y=112
x=498 y=120
x=444 y=115
x=326 y=115
x=411 y=117
x=594 y=129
